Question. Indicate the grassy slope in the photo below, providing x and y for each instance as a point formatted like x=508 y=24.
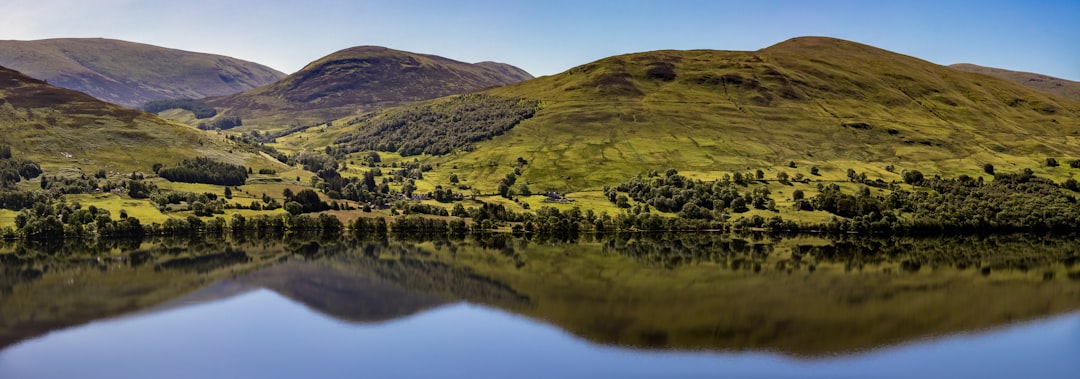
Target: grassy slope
x=67 y=131
x=131 y=74
x=1049 y=84
x=358 y=79
x=813 y=101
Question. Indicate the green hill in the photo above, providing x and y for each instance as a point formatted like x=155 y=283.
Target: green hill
x=65 y=129
x=804 y=102
x=360 y=79
x=1049 y=84
x=130 y=74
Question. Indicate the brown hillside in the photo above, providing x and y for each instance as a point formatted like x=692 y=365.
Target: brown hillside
x=62 y=128
x=130 y=74
x=361 y=79
x=1049 y=84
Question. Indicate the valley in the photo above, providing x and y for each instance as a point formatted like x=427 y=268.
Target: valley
x=812 y=133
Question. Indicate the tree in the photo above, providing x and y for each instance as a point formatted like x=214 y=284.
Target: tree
x=294 y=208
x=988 y=168
x=523 y=190
x=814 y=170
x=913 y=177
x=459 y=211
x=797 y=195
x=1051 y=162
x=228 y=192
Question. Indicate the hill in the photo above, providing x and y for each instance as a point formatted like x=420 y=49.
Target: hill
x=805 y=102
x=1049 y=84
x=361 y=79
x=130 y=74
x=64 y=129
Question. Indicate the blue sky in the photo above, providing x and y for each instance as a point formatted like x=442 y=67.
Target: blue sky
x=548 y=37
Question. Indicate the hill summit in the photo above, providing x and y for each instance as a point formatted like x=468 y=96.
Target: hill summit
x=130 y=74
x=361 y=79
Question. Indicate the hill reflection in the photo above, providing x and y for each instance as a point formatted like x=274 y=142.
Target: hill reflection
x=802 y=296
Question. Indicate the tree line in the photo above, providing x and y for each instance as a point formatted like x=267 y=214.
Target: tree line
x=206 y=171
x=439 y=128
x=199 y=108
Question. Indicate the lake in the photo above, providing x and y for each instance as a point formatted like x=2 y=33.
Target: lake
x=675 y=305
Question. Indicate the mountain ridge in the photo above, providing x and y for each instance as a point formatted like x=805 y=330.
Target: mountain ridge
x=360 y=79
x=1056 y=86
x=130 y=73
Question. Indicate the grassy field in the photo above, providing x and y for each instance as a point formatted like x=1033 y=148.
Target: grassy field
x=144 y=210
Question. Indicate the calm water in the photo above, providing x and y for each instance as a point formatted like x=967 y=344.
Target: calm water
x=497 y=307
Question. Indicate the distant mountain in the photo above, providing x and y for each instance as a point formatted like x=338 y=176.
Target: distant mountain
x=810 y=101
x=361 y=79
x=130 y=74
x=1049 y=84
x=61 y=128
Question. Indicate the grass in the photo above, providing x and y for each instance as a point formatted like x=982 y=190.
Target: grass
x=144 y=210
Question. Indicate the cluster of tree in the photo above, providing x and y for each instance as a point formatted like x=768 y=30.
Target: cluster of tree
x=223 y=123
x=206 y=171
x=506 y=186
x=13 y=170
x=18 y=200
x=409 y=207
x=305 y=201
x=199 y=108
x=440 y=128
x=691 y=199
x=202 y=204
x=1010 y=202
x=52 y=220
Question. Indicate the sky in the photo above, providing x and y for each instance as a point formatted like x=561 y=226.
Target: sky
x=548 y=37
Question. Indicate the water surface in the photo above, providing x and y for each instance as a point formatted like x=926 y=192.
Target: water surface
x=503 y=307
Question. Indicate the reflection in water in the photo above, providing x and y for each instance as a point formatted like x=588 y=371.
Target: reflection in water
x=802 y=296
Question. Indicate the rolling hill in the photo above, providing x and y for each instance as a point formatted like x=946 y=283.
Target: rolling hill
x=130 y=74
x=1049 y=84
x=361 y=79
x=66 y=129
x=810 y=101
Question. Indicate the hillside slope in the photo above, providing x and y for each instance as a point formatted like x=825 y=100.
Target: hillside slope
x=1049 y=84
x=64 y=129
x=130 y=74
x=361 y=79
x=806 y=101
